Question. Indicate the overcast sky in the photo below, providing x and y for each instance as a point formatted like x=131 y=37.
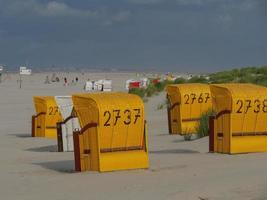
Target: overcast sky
x=168 y=35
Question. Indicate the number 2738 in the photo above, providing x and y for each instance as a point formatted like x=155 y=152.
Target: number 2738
x=244 y=106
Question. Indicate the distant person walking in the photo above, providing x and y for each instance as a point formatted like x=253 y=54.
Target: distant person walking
x=76 y=79
x=47 y=80
x=65 y=81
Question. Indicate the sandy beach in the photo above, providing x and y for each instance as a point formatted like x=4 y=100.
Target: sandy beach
x=32 y=169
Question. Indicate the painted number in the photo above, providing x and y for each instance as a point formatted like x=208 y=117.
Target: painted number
x=193 y=97
x=264 y=108
x=201 y=98
x=137 y=114
x=207 y=97
x=257 y=106
x=107 y=115
x=117 y=116
x=52 y=110
x=240 y=106
x=186 y=96
x=244 y=106
x=128 y=116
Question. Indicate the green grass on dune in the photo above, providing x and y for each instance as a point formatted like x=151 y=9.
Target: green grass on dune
x=202 y=129
x=255 y=75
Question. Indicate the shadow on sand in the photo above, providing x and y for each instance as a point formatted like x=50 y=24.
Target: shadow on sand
x=179 y=140
x=21 y=135
x=50 y=148
x=173 y=151
x=64 y=166
x=163 y=134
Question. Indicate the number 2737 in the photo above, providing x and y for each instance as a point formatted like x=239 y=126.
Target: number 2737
x=129 y=116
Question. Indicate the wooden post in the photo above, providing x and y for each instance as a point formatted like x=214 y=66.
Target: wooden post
x=211 y=133
x=59 y=137
x=33 y=126
x=77 y=154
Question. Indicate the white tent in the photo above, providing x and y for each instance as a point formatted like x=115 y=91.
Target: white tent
x=89 y=86
x=104 y=85
x=24 y=71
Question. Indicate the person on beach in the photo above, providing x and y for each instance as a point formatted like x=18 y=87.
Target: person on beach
x=65 y=81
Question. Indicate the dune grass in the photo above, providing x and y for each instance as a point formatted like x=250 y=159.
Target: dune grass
x=255 y=75
x=203 y=126
x=151 y=90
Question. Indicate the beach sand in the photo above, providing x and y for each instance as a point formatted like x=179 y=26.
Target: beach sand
x=32 y=169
